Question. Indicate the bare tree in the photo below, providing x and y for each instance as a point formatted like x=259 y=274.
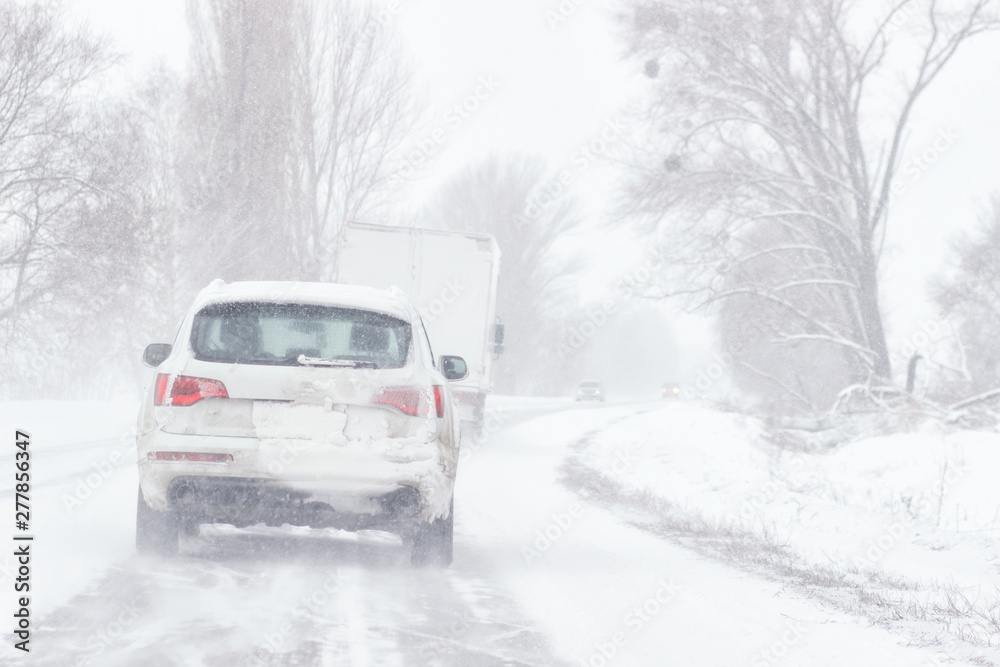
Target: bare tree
x=776 y=131
x=296 y=107
x=47 y=140
x=157 y=108
x=240 y=118
x=492 y=197
x=353 y=111
x=112 y=276
x=970 y=299
x=42 y=71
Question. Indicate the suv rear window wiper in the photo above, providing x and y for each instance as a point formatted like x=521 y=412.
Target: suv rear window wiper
x=303 y=360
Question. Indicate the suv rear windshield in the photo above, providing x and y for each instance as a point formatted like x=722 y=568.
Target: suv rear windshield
x=276 y=334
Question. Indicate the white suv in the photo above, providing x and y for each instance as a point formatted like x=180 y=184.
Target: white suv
x=309 y=404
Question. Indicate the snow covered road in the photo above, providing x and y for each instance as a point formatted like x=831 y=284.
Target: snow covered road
x=542 y=576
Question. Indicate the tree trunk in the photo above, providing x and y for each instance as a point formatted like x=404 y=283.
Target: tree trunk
x=871 y=315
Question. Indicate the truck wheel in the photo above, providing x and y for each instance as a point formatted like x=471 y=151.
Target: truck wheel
x=479 y=414
x=155 y=532
x=432 y=543
x=477 y=429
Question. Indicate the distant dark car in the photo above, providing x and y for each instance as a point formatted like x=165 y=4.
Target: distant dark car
x=671 y=390
x=590 y=390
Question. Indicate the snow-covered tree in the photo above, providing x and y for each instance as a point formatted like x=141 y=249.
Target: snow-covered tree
x=774 y=144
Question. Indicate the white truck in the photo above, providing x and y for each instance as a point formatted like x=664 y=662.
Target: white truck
x=453 y=278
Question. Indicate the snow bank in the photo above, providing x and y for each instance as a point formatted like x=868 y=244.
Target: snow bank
x=919 y=505
x=609 y=594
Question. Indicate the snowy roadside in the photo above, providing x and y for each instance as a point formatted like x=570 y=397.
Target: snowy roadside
x=900 y=530
x=83 y=486
x=610 y=595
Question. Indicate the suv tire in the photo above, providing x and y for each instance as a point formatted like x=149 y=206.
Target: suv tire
x=432 y=543
x=155 y=532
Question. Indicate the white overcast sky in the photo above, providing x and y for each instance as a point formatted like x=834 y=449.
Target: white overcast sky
x=559 y=85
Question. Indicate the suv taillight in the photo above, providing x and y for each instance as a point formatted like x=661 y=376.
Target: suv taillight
x=184 y=390
x=413 y=401
x=439 y=400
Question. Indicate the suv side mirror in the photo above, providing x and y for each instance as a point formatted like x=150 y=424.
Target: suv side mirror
x=453 y=368
x=156 y=353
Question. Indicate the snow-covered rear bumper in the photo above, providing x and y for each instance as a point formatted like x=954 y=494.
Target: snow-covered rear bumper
x=353 y=478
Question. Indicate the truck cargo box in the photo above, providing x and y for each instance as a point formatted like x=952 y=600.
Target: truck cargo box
x=453 y=278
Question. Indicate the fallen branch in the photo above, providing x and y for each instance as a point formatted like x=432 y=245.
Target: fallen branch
x=981 y=398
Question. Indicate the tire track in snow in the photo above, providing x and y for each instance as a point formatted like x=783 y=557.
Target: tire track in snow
x=245 y=600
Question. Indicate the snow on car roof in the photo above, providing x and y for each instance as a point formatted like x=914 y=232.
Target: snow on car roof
x=392 y=301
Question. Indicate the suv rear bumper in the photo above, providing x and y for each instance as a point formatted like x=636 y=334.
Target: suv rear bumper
x=244 y=501
x=296 y=482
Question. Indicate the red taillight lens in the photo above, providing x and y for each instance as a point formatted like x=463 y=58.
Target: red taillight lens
x=198 y=457
x=439 y=400
x=411 y=401
x=463 y=397
x=183 y=390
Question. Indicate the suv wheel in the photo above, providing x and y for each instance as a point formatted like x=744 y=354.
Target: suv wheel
x=155 y=532
x=432 y=543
